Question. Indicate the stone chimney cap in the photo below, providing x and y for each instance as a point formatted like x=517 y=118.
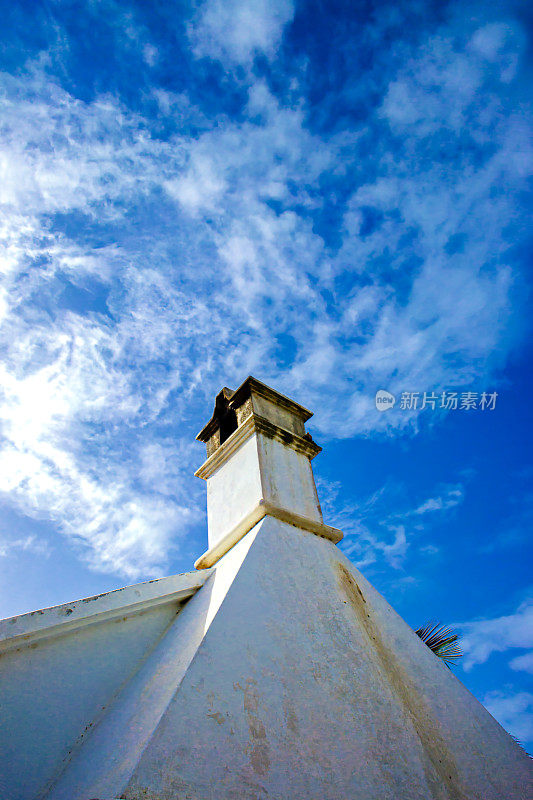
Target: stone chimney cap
x=228 y=400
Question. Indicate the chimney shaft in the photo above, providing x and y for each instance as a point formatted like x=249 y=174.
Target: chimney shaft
x=258 y=463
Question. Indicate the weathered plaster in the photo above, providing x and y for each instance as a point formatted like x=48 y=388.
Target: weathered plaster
x=264 y=509
x=61 y=667
x=287 y=478
x=26 y=629
x=101 y=766
x=262 y=471
x=239 y=478
x=307 y=684
x=263 y=466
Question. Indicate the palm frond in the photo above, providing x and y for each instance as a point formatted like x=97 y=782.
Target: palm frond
x=442 y=641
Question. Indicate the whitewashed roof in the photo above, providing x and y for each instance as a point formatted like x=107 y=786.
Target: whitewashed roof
x=24 y=630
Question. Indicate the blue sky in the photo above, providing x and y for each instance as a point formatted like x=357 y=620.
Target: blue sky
x=331 y=197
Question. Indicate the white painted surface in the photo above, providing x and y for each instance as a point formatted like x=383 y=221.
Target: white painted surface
x=308 y=685
x=260 y=469
x=233 y=490
x=285 y=676
x=61 y=667
x=53 y=691
x=213 y=555
x=104 y=763
x=287 y=478
x=26 y=629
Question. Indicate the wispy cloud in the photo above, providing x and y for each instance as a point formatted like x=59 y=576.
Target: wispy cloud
x=481 y=638
x=523 y=663
x=450 y=497
x=31 y=543
x=383 y=527
x=513 y=710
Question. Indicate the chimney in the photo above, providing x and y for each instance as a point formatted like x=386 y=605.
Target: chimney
x=258 y=464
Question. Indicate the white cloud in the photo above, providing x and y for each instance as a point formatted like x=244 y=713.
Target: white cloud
x=28 y=543
x=200 y=188
x=234 y=31
x=452 y=496
x=383 y=527
x=395 y=553
x=514 y=712
x=483 y=637
x=150 y=54
x=524 y=662
x=500 y=43
x=43 y=466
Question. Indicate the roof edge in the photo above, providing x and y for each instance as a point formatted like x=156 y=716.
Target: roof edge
x=25 y=629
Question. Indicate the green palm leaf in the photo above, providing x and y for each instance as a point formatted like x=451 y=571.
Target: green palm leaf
x=442 y=641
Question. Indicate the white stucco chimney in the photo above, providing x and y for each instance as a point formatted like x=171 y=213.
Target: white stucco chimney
x=258 y=464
